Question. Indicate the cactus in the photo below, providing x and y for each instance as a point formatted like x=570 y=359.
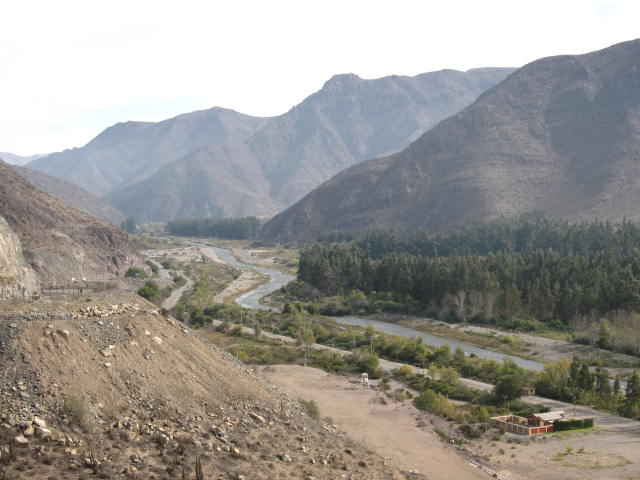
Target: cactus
x=199 y=474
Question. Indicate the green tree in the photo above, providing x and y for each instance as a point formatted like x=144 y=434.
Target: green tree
x=368 y=363
x=129 y=225
x=604 y=334
x=508 y=389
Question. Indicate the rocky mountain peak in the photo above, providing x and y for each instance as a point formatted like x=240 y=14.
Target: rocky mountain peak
x=561 y=135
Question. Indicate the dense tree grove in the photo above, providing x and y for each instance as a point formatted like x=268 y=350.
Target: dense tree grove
x=573 y=381
x=230 y=228
x=525 y=273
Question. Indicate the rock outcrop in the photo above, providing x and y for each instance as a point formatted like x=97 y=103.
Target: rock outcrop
x=17 y=278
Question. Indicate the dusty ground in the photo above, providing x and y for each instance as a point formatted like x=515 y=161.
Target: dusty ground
x=391 y=432
x=153 y=396
x=181 y=254
x=173 y=299
x=610 y=451
x=258 y=256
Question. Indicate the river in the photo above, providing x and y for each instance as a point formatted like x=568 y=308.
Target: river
x=278 y=279
x=252 y=299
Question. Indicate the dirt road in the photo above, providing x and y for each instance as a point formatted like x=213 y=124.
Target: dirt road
x=172 y=300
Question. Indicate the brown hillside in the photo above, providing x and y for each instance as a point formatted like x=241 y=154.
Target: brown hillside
x=144 y=397
x=560 y=135
x=71 y=194
x=129 y=152
x=58 y=241
x=348 y=121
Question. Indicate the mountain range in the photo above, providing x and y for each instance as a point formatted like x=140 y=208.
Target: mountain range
x=561 y=135
x=58 y=241
x=18 y=159
x=260 y=166
x=131 y=151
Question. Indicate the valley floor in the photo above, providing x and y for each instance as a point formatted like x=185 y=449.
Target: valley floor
x=389 y=431
x=405 y=436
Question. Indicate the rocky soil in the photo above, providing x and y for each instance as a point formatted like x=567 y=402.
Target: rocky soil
x=103 y=386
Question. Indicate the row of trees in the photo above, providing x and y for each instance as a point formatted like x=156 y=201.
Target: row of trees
x=241 y=228
x=531 y=231
x=584 y=273
x=572 y=381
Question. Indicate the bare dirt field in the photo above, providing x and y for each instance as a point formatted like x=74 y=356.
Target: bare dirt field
x=284 y=260
x=259 y=256
x=390 y=432
x=181 y=254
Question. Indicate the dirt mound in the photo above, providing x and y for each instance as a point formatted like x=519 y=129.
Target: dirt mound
x=123 y=392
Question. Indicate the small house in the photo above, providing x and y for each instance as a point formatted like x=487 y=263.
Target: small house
x=541 y=419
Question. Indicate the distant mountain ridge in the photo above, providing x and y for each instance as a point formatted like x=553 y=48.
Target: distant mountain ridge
x=132 y=151
x=346 y=122
x=59 y=242
x=18 y=159
x=561 y=135
x=72 y=195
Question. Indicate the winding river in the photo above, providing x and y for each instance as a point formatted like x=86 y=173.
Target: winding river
x=278 y=279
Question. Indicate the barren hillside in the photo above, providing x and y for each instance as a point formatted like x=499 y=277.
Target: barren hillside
x=72 y=195
x=349 y=120
x=127 y=393
x=561 y=135
x=59 y=242
x=128 y=152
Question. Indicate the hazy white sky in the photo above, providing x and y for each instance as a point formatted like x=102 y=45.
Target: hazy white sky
x=69 y=69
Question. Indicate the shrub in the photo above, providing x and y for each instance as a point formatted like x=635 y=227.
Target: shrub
x=311 y=408
x=149 y=290
x=574 y=424
x=74 y=409
x=152 y=266
x=470 y=431
x=404 y=371
x=135 y=272
x=435 y=403
x=368 y=363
